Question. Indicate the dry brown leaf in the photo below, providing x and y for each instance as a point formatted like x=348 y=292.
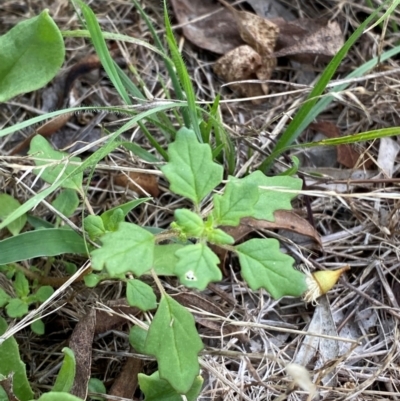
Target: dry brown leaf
x=284 y=219
x=108 y=321
x=217 y=32
x=81 y=344
x=265 y=71
x=305 y=39
x=125 y=384
x=347 y=155
x=141 y=183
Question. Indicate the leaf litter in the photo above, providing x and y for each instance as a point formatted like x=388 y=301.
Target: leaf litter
x=353 y=226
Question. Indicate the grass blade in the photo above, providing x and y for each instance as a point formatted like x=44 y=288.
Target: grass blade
x=102 y=50
x=301 y=119
x=34 y=244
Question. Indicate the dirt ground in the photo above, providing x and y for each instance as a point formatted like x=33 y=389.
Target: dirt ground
x=353 y=344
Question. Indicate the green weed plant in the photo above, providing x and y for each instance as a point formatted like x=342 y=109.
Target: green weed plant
x=195 y=160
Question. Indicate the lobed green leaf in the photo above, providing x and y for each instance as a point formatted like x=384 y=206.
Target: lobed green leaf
x=263 y=265
x=16 y=308
x=238 y=201
x=129 y=249
x=197 y=266
x=272 y=195
x=191 y=170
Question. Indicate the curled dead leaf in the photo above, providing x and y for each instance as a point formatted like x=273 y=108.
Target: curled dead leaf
x=284 y=219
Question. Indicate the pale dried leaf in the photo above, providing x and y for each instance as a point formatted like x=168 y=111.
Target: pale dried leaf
x=323 y=349
x=388 y=150
x=302 y=378
x=307 y=39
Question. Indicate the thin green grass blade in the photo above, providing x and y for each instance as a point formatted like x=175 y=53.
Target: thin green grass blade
x=84 y=33
x=134 y=91
x=298 y=124
x=139 y=152
x=35 y=120
x=183 y=76
x=102 y=50
x=361 y=137
x=327 y=99
x=128 y=84
x=167 y=61
x=387 y=14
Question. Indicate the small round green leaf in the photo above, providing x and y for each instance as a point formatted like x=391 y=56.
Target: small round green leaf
x=44 y=293
x=38 y=327
x=141 y=295
x=8 y=205
x=191 y=223
x=16 y=308
x=96 y=386
x=31 y=54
